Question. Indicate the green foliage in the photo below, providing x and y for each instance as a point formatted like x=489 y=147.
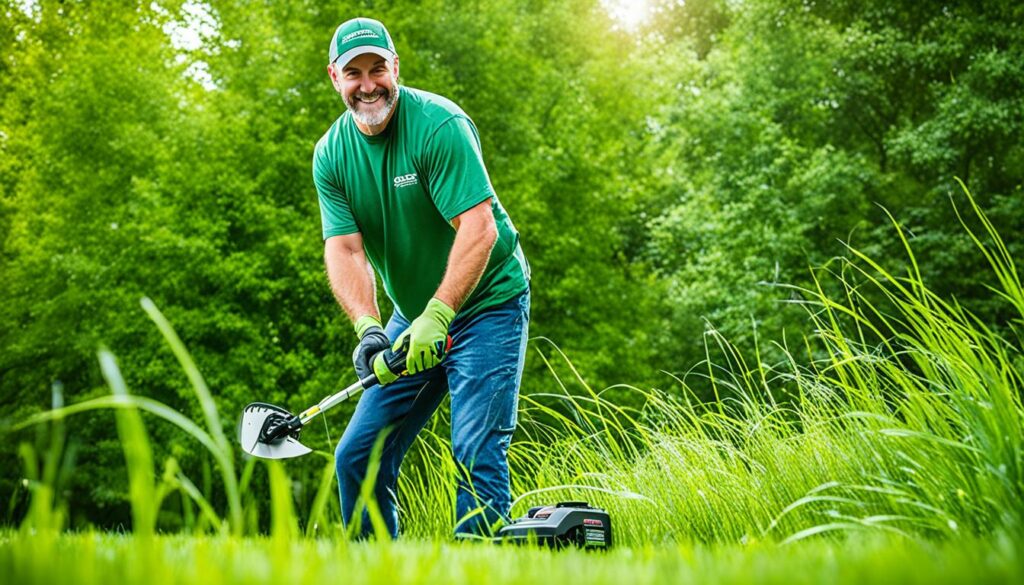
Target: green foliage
x=802 y=118
x=668 y=184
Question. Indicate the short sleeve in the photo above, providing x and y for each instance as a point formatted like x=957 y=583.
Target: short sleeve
x=335 y=212
x=457 y=178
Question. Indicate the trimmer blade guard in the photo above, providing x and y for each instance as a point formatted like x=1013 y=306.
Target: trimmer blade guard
x=254 y=418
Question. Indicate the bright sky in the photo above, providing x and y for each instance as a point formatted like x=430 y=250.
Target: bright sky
x=27 y=6
x=629 y=14
x=187 y=35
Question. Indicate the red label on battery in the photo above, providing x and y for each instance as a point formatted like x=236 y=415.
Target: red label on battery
x=592 y=522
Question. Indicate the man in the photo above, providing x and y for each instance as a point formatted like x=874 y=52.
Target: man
x=404 y=193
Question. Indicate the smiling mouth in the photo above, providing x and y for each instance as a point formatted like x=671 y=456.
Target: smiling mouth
x=369 y=99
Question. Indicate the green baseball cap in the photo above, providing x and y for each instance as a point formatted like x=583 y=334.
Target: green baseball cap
x=361 y=35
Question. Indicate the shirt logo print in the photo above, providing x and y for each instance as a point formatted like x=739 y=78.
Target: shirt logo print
x=406 y=180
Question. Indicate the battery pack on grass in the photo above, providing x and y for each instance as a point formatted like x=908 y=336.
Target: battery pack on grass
x=564 y=524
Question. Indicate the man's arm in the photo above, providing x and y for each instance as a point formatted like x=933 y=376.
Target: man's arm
x=475 y=235
x=351 y=276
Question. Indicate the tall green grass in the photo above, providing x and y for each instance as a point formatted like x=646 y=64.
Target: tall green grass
x=900 y=415
x=907 y=420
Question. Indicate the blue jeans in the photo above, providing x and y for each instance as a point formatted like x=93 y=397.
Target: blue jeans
x=482 y=372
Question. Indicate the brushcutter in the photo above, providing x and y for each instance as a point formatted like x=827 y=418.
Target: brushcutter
x=271 y=432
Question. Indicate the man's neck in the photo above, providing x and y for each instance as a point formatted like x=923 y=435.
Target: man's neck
x=377 y=129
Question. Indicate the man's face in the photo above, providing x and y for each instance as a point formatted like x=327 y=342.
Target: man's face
x=368 y=85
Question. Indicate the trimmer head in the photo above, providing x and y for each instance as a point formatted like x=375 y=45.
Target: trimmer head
x=257 y=420
x=272 y=432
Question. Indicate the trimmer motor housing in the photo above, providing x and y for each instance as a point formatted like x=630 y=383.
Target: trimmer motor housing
x=564 y=524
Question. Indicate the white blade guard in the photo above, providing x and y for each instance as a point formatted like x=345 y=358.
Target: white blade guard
x=253 y=418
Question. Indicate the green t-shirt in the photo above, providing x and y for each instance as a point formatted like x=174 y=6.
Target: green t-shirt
x=401 y=189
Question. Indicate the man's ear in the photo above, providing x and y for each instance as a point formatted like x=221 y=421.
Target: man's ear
x=334 y=73
x=394 y=66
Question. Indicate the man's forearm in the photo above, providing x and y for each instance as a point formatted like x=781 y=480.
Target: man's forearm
x=466 y=263
x=352 y=281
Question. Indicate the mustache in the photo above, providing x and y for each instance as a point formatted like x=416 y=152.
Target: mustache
x=380 y=91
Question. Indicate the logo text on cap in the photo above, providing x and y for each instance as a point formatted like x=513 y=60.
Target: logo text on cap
x=360 y=34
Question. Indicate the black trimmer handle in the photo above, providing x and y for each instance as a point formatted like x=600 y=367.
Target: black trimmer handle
x=395 y=360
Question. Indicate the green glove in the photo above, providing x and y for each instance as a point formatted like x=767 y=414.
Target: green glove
x=365 y=323
x=372 y=341
x=380 y=368
x=428 y=336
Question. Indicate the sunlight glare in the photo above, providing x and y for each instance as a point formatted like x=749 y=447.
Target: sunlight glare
x=628 y=14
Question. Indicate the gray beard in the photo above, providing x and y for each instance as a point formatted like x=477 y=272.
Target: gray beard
x=374 y=118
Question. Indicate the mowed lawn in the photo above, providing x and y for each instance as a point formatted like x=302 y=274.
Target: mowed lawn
x=105 y=558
